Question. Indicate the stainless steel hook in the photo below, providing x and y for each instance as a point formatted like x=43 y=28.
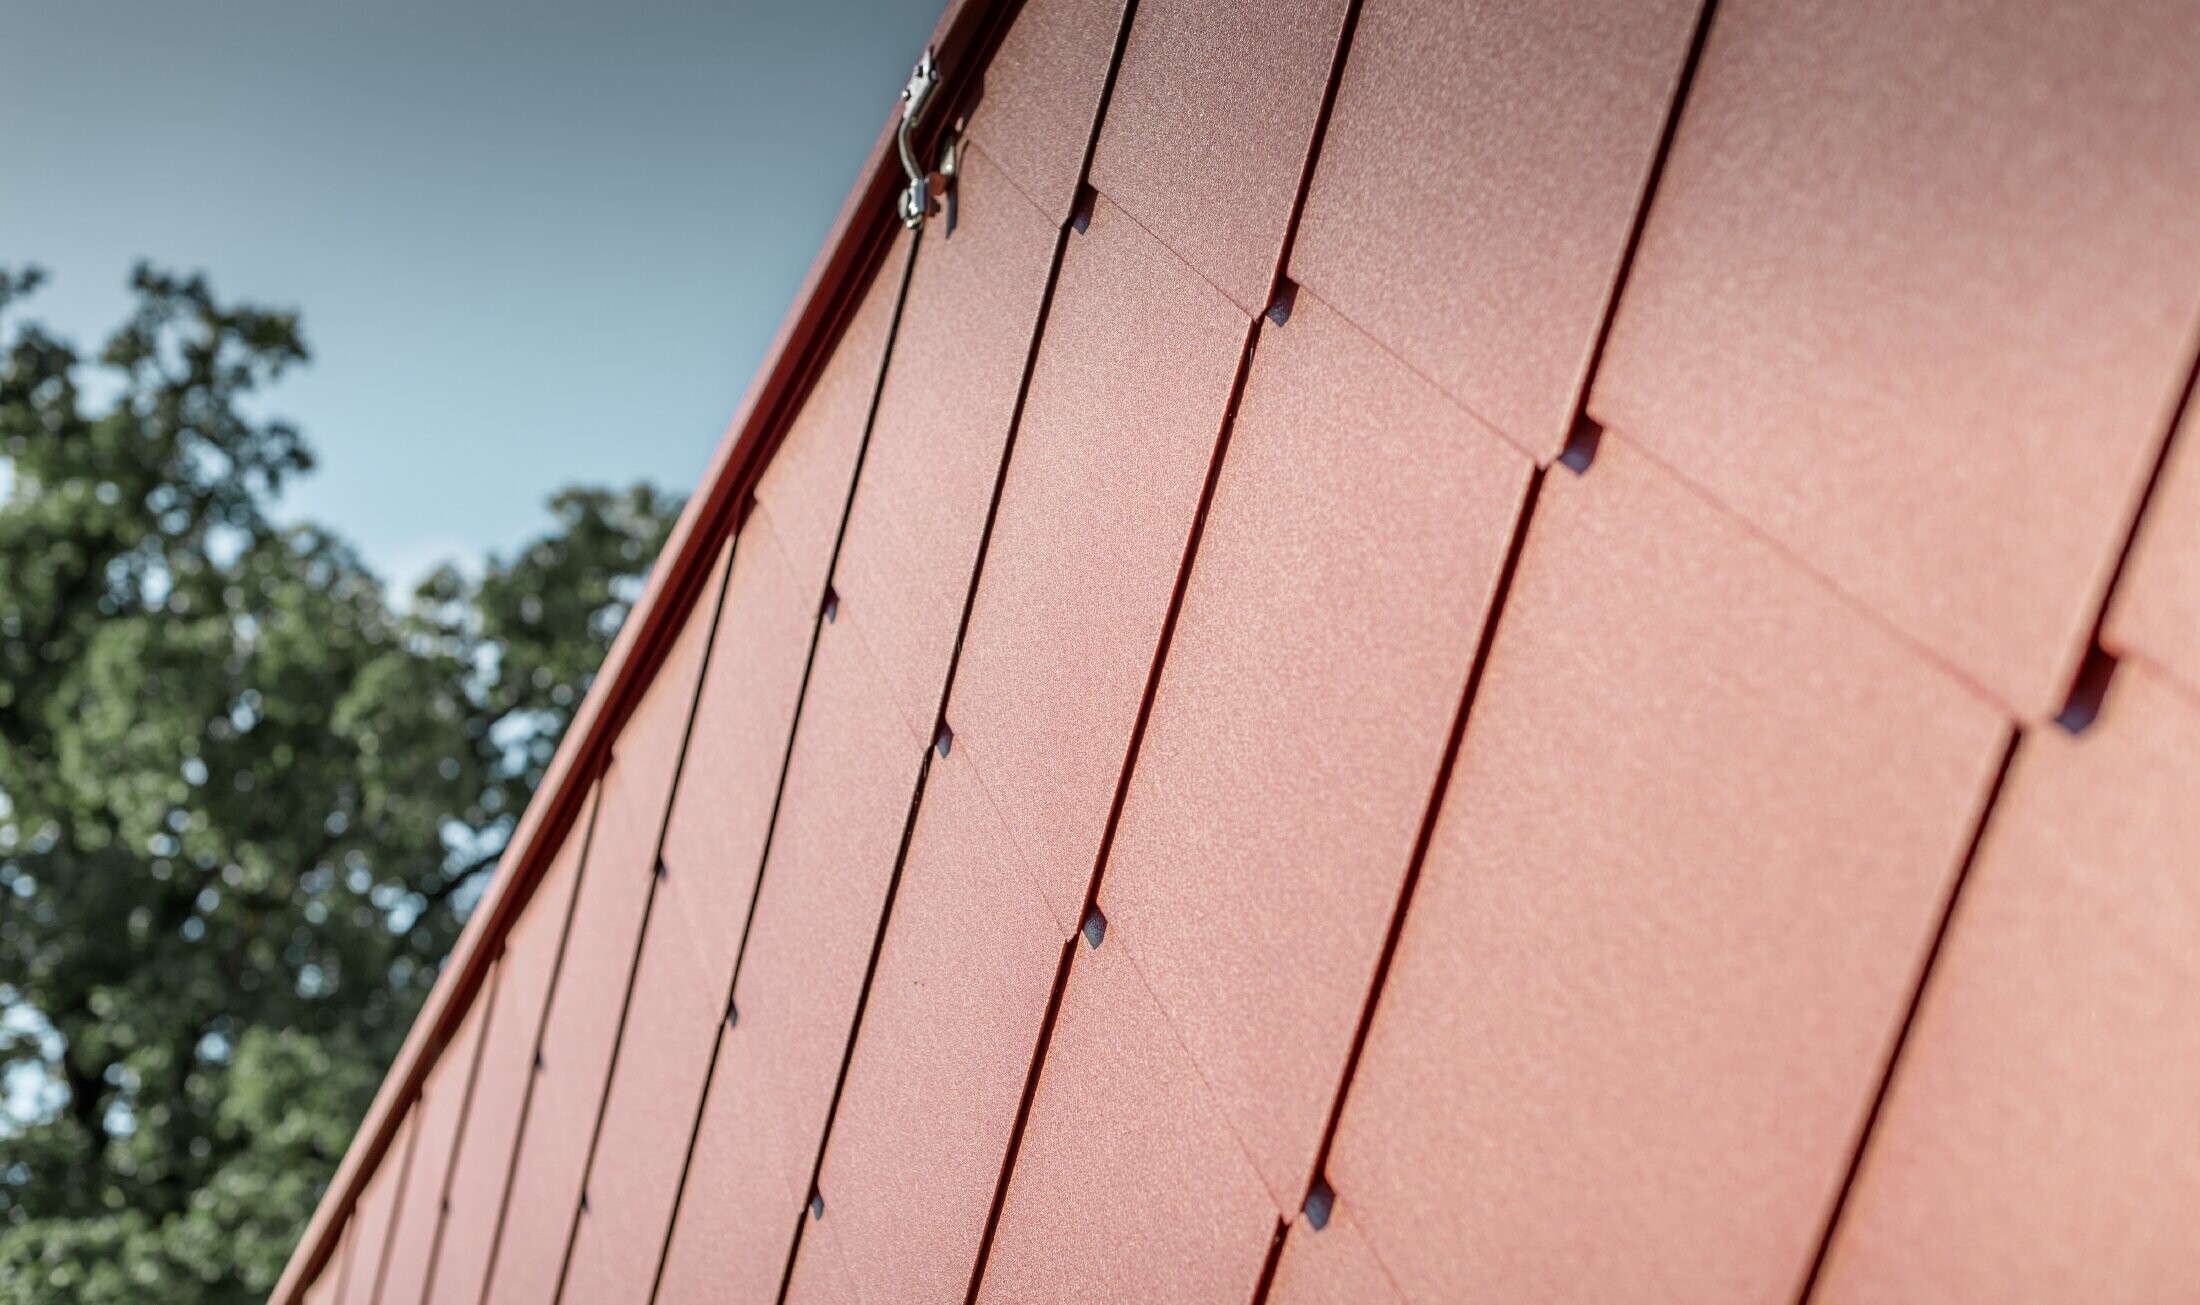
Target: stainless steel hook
x=916 y=200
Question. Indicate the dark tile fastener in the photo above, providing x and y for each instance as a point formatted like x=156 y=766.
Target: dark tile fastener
x=1318 y=1204
x=2088 y=690
x=1581 y=444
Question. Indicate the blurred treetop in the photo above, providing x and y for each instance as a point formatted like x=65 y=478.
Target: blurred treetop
x=245 y=799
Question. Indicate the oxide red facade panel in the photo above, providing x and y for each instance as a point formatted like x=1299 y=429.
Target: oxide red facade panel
x=1094 y=517
x=943 y=419
x=805 y=486
x=1207 y=134
x=1697 y=842
x=849 y=782
x=1095 y=511
x=902 y=581
x=482 y=1164
x=1042 y=96
x=1478 y=183
x=373 y=1218
x=574 y=1061
x=1129 y=1185
x=442 y=1115
x=2039 y=1139
x=737 y=1215
x=1359 y=525
x=1916 y=294
x=824 y=1275
x=964 y=976
x=715 y=836
x=714 y=847
x=2156 y=613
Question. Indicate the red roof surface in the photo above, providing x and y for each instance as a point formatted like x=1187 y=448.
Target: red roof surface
x=1144 y=775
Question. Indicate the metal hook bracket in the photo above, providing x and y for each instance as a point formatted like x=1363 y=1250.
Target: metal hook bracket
x=916 y=200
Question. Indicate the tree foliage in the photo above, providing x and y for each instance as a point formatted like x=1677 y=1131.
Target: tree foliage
x=245 y=799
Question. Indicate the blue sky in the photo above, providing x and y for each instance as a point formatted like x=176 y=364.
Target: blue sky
x=534 y=244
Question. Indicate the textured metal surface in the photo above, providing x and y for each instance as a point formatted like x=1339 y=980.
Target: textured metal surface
x=1094 y=517
x=714 y=839
x=1696 y=845
x=1124 y=1194
x=578 y=1034
x=737 y=1215
x=1332 y=1266
x=1042 y=95
x=518 y=1002
x=371 y=1222
x=1477 y=186
x=1358 y=528
x=963 y=981
x=483 y=1162
x=2039 y=1141
x=441 y=1112
x=2156 y=614
x=942 y=423
x=822 y=1275
x=849 y=783
x=1206 y=138
x=805 y=486
x=1917 y=290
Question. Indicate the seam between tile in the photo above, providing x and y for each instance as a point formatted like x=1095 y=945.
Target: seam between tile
x=1124 y=774
x=1043 y=311
x=1861 y=1139
x=1398 y=1293
x=403 y=1177
x=771 y=825
x=1431 y=814
x=2164 y=676
x=1206 y=1083
x=487 y=994
x=1167 y=637
x=1171 y=251
x=1435 y=387
x=760 y=518
x=851 y=621
x=715 y=594
x=1960 y=678
x=977 y=565
x=2135 y=517
x=1493 y=615
x=1645 y=194
x=1038 y=210
x=586 y=824
x=975 y=140
x=1023 y=858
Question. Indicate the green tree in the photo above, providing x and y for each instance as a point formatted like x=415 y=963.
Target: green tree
x=245 y=800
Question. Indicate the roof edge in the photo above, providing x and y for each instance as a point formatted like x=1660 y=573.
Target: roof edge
x=853 y=246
